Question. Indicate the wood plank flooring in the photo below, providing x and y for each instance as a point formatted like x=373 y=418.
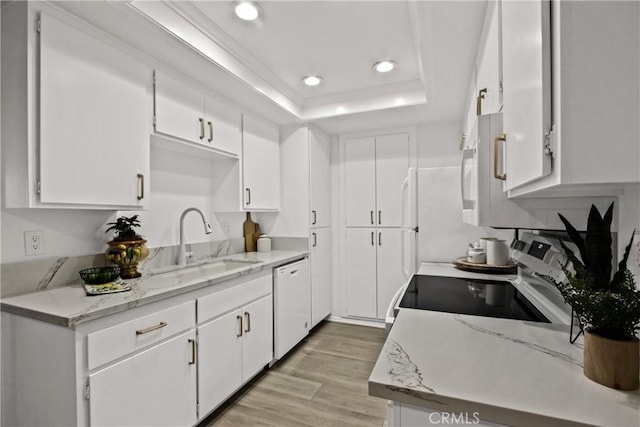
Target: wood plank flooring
x=322 y=382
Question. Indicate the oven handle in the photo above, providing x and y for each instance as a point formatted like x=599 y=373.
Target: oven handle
x=390 y=316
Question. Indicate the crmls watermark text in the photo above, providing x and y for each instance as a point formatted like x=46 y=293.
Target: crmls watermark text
x=452 y=418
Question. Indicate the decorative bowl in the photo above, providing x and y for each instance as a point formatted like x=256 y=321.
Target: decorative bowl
x=99 y=275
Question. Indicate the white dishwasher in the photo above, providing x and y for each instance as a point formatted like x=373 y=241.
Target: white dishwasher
x=291 y=305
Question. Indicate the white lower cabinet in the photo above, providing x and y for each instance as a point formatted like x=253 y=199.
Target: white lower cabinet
x=154 y=387
x=320 y=257
x=373 y=270
x=235 y=339
x=168 y=363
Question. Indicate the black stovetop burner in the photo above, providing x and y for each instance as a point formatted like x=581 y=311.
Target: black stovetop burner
x=489 y=298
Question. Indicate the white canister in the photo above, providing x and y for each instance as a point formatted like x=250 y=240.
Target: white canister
x=497 y=252
x=483 y=241
x=264 y=244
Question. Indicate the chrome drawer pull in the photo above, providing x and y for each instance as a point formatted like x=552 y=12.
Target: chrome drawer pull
x=239 y=334
x=151 y=328
x=192 y=361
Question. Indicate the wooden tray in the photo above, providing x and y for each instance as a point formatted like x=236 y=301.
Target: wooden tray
x=463 y=264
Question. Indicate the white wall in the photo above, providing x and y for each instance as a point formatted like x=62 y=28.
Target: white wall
x=438 y=144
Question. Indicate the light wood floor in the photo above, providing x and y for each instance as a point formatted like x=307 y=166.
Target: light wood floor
x=322 y=382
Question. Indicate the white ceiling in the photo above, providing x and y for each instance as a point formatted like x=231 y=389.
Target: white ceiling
x=259 y=64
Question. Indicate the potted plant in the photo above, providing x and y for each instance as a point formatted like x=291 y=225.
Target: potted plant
x=606 y=303
x=127 y=248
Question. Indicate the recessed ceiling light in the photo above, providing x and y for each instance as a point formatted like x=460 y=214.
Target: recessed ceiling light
x=312 y=80
x=246 y=10
x=384 y=66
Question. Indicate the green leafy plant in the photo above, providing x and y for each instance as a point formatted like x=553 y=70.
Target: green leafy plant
x=125 y=228
x=605 y=304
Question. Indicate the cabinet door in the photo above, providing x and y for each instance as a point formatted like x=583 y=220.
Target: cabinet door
x=320 y=274
x=320 y=173
x=219 y=360
x=389 y=267
x=257 y=339
x=392 y=164
x=223 y=128
x=261 y=164
x=526 y=70
x=360 y=266
x=488 y=63
x=360 y=181
x=179 y=109
x=154 y=387
x=94 y=124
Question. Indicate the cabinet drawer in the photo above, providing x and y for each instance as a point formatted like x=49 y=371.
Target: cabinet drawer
x=111 y=343
x=214 y=305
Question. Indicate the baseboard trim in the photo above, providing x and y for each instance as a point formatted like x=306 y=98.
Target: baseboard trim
x=361 y=322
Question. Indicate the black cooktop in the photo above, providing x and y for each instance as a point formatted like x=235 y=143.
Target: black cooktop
x=469 y=296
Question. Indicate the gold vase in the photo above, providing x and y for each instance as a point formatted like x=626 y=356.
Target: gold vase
x=612 y=363
x=127 y=254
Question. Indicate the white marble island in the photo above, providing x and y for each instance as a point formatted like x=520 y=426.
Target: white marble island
x=504 y=371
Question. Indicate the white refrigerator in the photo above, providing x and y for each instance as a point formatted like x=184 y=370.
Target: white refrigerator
x=433 y=229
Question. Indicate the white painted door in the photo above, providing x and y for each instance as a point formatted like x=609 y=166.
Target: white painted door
x=360 y=266
x=389 y=267
x=94 y=121
x=320 y=173
x=257 y=338
x=526 y=69
x=223 y=127
x=488 y=64
x=360 y=181
x=320 y=258
x=392 y=164
x=219 y=360
x=179 y=109
x=261 y=164
x=154 y=387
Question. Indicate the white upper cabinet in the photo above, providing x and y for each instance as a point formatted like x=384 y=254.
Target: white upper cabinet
x=488 y=77
x=375 y=168
x=184 y=112
x=580 y=138
x=320 y=175
x=75 y=116
x=526 y=69
x=260 y=164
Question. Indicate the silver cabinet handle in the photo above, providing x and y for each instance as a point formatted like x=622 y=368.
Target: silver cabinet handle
x=496 y=146
x=380 y=238
x=239 y=318
x=140 y=186
x=151 y=328
x=479 y=99
x=379 y=217
x=201 y=120
x=210 y=131
x=192 y=361
x=372 y=237
x=313 y=214
x=247 y=315
x=248 y=191
x=315 y=239
x=371 y=216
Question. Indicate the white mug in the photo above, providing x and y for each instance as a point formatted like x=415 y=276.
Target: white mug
x=483 y=241
x=497 y=252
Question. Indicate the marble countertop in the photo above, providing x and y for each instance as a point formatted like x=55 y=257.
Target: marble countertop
x=508 y=371
x=69 y=305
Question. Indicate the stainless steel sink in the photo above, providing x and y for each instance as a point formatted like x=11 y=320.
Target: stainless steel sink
x=202 y=270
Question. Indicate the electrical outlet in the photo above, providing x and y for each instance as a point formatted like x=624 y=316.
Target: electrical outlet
x=34 y=242
x=225 y=229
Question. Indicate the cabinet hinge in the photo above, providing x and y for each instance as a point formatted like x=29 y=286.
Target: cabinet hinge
x=38 y=23
x=87 y=391
x=501 y=87
x=37 y=187
x=154 y=122
x=550 y=141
